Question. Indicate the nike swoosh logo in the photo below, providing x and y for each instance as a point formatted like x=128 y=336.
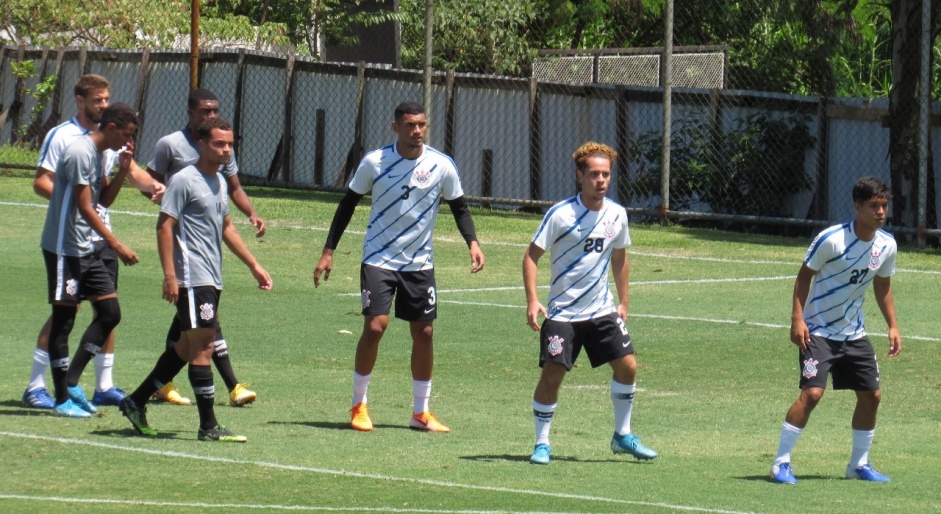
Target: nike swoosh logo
x=206 y=194
x=625 y=344
x=429 y=310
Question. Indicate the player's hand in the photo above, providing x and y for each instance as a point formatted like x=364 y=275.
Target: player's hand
x=477 y=257
x=156 y=192
x=800 y=335
x=532 y=315
x=324 y=265
x=263 y=278
x=127 y=256
x=125 y=156
x=622 y=313
x=171 y=290
x=258 y=223
x=895 y=342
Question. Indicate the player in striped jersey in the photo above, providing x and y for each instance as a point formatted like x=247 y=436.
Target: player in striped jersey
x=407 y=180
x=585 y=235
x=827 y=325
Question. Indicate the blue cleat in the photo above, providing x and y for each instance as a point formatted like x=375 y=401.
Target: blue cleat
x=39 y=399
x=783 y=474
x=629 y=443
x=78 y=396
x=540 y=454
x=70 y=409
x=865 y=472
x=111 y=397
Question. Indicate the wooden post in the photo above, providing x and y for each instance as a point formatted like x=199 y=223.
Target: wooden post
x=486 y=175
x=142 y=80
x=535 y=142
x=16 y=108
x=287 y=167
x=239 y=88
x=449 y=114
x=319 y=143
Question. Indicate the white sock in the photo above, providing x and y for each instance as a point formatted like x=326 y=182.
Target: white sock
x=37 y=378
x=862 y=441
x=542 y=414
x=360 y=385
x=789 y=436
x=622 y=397
x=103 y=377
x=421 y=391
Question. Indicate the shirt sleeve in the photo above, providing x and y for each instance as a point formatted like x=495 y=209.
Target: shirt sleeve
x=364 y=176
x=52 y=152
x=174 y=198
x=819 y=252
x=451 y=183
x=160 y=162
x=230 y=168
x=888 y=265
x=546 y=232
x=624 y=236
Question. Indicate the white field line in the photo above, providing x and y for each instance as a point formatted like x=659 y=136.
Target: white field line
x=253 y=506
x=679 y=318
x=370 y=476
x=490 y=243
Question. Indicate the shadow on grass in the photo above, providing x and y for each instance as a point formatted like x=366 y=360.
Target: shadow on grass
x=332 y=425
x=130 y=433
x=525 y=458
x=766 y=478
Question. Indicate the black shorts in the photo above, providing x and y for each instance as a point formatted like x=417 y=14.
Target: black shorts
x=852 y=363
x=414 y=292
x=110 y=258
x=604 y=339
x=198 y=307
x=72 y=279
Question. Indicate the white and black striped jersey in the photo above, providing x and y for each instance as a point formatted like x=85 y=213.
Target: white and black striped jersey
x=580 y=242
x=405 y=198
x=845 y=266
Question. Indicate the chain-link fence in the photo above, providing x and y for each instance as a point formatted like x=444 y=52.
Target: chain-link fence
x=775 y=112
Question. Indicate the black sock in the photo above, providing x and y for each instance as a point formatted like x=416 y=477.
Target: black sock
x=201 y=380
x=220 y=359
x=168 y=366
x=63 y=318
x=107 y=316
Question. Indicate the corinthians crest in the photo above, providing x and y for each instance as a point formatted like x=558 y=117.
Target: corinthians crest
x=421 y=177
x=874 y=258
x=608 y=229
x=810 y=368
x=206 y=312
x=555 y=345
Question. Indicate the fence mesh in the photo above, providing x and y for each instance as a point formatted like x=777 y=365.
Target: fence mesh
x=775 y=111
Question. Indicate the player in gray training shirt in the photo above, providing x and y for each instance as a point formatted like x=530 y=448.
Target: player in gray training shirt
x=194 y=222
x=172 y=153
x=74 y=270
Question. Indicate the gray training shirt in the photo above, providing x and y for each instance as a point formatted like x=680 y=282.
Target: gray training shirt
x=66 y=232
x=176 y=151
x=200 y=203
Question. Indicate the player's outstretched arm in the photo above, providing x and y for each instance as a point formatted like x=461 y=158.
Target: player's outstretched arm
x=235 y=243
x=341 y=218
x=170 y=289
x=882 y=288
x=800 y=335
x=150 y=187
x=530 y=284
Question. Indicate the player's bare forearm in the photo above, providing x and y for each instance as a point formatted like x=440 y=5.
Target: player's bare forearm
x=882 y=290
x=43 y=183
x=165 y=224
x=620 y=266
x=236 y=244
x=531 y=272
x=800 y=335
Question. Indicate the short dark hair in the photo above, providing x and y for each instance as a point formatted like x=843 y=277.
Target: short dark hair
x=868 y=188
x=89 y=82
x=408 y=108
x=199 y=95
x=205 y=128
x=120 y=114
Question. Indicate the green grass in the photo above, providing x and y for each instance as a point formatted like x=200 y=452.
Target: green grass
x=709 y=314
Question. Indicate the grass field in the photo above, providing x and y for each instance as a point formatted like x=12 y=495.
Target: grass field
x=709 y=315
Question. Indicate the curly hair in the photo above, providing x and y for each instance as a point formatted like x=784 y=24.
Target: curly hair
x=593 y=149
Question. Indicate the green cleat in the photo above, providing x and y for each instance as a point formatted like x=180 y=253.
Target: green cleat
x=137 y=416
x=221 y=434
